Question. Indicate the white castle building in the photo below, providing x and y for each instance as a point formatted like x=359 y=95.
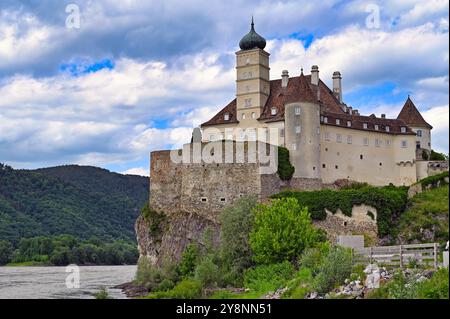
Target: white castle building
x=327 y=140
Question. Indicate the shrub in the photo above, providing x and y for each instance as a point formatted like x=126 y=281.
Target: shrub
x=102 y=294
x=435 y=288
x=285 y=169
x=148 y=275
x=334 y=269
x=154 y=219
x=165 y=285
x=6 y=251
x=435 y=156
x=186 y=289
x=189 y=260
x=266 y=278
x=312 y=258
x=236 y=225
x=282 y=231
x=300 y=285
x=207 y=272
x=433 y=180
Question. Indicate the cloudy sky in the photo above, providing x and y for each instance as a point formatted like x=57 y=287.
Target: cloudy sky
x=137 y=75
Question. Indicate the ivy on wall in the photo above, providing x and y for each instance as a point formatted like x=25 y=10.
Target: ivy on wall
x=390 y=202
x=434 y=180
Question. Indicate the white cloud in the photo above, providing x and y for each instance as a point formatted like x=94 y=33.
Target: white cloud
x=137 y=171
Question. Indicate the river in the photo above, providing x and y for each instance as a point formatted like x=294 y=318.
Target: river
x=53 y=282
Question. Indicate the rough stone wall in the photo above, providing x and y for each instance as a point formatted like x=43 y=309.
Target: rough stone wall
x=305 y=183
x=360 y=223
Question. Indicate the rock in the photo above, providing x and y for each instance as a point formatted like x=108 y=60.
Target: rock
x=131 y=290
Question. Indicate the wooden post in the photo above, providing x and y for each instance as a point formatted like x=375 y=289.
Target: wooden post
x=401 y=256
x=435 y=256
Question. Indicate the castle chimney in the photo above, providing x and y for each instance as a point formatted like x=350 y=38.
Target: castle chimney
x=337 y=85
x=383 y=116
x=284 y=78
x=350 y=110
x=315 y=75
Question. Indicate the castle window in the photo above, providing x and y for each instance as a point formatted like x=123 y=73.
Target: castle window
x=403 y=129
x=377 y=127
x=365 y=125
x=212 y=137
x=321 y=118
x=223 y=200
x=361 y=157
x=243 y=116
x=388 y=142
x=298 y=129
x=204 y=200
x=282 y=132
x=318 y=131
x=388 y=129
x=253 y=115
x=273 y=111
x=338 y=122
x=377 y=142
x=419 y=133
x=349 y=139
x=349 y=123
x=404 y=144
x=297 y=110
x=226 y=116
x=325 y=119
x=381 y=164
x=324 y=166
x=294 y=146
x=336 y=167
x=365 y=141
x=248 y=102
x=327 y=136
x=338 y=138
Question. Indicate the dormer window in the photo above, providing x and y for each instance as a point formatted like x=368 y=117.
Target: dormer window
x=273 y=111
x=419 y=133
x=377 y=127
x=338 y=122
x=349 y=123
x=388 y=129
x=365 y=126
x=325 y=119
x=226 y=116
x=297 y=110
x=403 y=129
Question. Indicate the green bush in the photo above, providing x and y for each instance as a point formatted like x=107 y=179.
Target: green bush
x=435 y=156
x=334 y=269
x=189 y=260
x=154 y=219
x=312 y=258
x=433 y=180
x=435 y=288
x=390 y=202
x=300 y=286
x=282 y=231
x=266 y=278
x=102 y=294
x=186 y=289
x=285 y=168
x=6 y=251
x=207 y=272
x=148 y=275
x=236 y=224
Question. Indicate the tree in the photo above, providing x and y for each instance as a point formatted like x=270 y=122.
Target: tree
x=6 y=251
x=236 y=225
x=435 y=156
x=282 y=231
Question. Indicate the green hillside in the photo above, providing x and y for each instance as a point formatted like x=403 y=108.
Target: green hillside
x=72 y=200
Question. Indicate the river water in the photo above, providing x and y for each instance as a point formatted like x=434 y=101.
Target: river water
x=56 y=283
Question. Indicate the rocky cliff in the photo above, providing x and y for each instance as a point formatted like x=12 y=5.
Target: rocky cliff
x=166 y=236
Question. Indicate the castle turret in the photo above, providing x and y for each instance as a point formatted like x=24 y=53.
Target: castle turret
x=253 y=76
x=302 y=132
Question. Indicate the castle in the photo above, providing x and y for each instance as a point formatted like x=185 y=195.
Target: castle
x=328 y=141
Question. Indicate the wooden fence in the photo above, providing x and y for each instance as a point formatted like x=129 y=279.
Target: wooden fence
x=398 y=256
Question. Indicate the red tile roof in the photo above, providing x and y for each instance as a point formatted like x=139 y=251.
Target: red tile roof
x=300 y=89
x=411 y=115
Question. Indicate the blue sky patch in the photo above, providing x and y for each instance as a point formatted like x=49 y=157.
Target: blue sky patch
x=307 y=39
x=81 y=68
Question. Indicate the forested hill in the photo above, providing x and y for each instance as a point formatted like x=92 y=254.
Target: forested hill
x=75 y=200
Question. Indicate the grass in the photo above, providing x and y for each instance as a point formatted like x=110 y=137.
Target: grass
x=426 y=211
